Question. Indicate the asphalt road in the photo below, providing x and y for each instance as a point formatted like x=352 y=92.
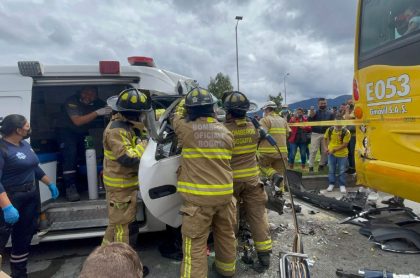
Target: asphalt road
x=329 y=245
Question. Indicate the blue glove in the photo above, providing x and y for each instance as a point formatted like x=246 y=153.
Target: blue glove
x=54 y=190
x=11 y=215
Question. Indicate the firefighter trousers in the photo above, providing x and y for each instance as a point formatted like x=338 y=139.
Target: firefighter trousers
x=252 y=197
x=271 y=164
x=197 y=221
x=122 y=206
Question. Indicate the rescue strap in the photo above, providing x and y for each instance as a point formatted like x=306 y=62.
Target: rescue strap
x=205 y=189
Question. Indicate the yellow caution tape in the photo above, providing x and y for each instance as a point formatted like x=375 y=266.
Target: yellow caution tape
x=355 y=122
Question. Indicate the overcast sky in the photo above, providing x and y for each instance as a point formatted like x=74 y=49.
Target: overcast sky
x=310 y=39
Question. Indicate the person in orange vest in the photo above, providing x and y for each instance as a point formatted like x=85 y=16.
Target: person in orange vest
x=247 y=187
x=205 y=182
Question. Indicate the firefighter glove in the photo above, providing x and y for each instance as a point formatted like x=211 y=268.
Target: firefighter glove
x=11 y=215
x=54 y=190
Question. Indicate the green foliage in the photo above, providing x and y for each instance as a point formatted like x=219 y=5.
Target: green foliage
x=277 y=100
x=220 y=84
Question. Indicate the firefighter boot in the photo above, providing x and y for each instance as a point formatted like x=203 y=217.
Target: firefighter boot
x=72 y=194
x=263 y=262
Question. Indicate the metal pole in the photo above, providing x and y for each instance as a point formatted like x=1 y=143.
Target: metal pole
x=284 y=85
x=236 y=36
x=237 y=60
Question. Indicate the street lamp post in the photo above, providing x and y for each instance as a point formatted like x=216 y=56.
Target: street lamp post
x=238 y=17
x=284 y=84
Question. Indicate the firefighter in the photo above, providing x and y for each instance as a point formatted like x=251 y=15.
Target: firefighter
x=205 y=183
x=269 y=159
x=123 y=149
x=247 y=186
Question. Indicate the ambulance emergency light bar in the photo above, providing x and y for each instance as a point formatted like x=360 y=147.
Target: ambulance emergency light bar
x=141 y=61
x=30 y=68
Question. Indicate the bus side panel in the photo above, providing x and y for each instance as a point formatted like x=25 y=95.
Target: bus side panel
x=390 y=143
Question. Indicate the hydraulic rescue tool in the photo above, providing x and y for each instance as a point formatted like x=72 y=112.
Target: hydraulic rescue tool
x=292 y=264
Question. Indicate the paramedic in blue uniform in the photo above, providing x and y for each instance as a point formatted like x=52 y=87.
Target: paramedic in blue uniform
x=82 y=110
x=19 y=170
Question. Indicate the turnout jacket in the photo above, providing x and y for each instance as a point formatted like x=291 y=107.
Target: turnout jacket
x=279 y=129
x=244 y=161
x=122 y=152
x=205 y=175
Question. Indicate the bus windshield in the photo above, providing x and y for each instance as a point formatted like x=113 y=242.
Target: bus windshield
x=384 y=22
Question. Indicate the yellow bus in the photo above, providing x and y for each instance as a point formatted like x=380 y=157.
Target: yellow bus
x=386 y=90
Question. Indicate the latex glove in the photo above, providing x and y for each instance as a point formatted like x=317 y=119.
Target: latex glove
x=54 y=190
x=104 y=111
x=11 y=215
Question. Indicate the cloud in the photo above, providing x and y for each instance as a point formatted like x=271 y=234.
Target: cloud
x=311 y=40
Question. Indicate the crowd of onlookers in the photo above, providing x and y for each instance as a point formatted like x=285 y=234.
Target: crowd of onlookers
x=335 y=143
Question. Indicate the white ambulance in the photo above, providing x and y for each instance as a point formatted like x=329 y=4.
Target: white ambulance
x=38 y=92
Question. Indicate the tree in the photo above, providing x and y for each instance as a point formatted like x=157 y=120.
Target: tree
x=219 y=85
x=277 y=100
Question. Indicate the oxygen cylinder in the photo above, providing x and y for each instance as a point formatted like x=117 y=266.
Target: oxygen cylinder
x=92 y=176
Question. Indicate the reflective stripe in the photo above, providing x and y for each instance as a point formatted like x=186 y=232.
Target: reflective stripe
x=187 y=259
x=120 y=182
x=205 y=189
x=104 y=242
x=263 y=245
x=206 y=153
x=245 y=149
x=119 y=233
x=19 y=256
x=267 y=171
x=228 y=267
x=271 y=149
x=131 y=148
x=69 y=172
x=109 y=155
x=246 y=172
x=277 y=130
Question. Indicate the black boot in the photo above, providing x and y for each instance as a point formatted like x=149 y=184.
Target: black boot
x=19 y=269
x=263 y=262
x=145 y=271
x=277 y=179
x=72 y=194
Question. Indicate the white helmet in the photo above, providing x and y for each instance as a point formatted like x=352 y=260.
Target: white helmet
x=269 y=104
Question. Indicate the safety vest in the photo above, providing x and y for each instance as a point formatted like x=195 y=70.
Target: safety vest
x=122 y=153
x=277 y=127
x=244 y=162
x=205 y=175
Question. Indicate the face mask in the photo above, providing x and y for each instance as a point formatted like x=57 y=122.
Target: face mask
x=28 y=134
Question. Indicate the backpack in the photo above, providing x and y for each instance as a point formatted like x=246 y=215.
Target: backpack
x=342 y=135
